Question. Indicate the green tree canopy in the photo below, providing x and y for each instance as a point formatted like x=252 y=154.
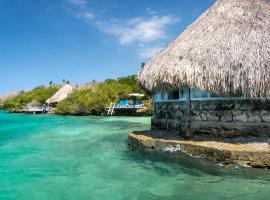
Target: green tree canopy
x=96 y=100
x=40 y=94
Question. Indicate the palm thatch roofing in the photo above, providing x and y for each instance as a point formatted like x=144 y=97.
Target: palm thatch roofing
x=61 y=94
x=9 y=96
x=226 y=50
x=89 y=85
x=31 y=104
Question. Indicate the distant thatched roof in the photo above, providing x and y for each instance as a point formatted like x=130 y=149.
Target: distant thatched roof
x=226 y=50
x=61 y=94
x=89 y=85
x=33 y=103
x=9 y=96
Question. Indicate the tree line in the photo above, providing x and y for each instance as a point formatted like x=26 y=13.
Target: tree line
x=83 y=101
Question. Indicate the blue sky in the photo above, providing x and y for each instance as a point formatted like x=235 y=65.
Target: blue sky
x=80 y=40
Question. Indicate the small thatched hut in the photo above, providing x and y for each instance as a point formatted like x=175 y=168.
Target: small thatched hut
x=61 y=94
x=215 y=77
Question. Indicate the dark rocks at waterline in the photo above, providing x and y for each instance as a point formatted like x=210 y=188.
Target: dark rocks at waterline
x=254 y=153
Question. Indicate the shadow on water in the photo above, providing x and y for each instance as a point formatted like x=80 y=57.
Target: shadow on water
x=182 y=163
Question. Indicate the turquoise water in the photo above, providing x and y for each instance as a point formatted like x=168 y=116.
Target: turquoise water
x=55 y=157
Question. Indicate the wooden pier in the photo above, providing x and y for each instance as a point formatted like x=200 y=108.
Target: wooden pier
x=36 y=110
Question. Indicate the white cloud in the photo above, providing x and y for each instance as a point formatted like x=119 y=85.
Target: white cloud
x=145 y=34
x=141 y=30
x=151 y=11
x=78 y=2
x=87 y=15
x=81 y=10
x=146 y=53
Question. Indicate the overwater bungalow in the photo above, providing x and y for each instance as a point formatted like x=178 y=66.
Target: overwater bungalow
x=215 y=77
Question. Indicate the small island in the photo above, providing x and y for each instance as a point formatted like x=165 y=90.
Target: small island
x=93 y=98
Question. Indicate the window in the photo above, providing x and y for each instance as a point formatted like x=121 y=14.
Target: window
x=198 y=94
x=183 y=94
x=156 y=96
x=174 y=95
x=163 y=96
x=214 y=95
x=160 y=96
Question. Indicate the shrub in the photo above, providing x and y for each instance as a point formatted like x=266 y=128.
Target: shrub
x=96 y=100
x=39 y=94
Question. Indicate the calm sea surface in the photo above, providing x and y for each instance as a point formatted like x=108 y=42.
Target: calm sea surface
x=84 y=158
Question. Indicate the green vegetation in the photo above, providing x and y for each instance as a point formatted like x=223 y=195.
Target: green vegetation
x=39 y=95
x=94 y=101
x=85 y=101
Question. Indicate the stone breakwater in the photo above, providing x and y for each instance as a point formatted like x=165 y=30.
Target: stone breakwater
x=254 y=154
x=223 y=118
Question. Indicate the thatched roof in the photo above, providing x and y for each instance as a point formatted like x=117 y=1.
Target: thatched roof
x=225 y=50
x=61 y=94
x=89 y=85
x=33 y=103
x=9 y=96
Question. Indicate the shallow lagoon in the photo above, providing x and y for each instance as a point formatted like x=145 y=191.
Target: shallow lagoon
x=63 y=157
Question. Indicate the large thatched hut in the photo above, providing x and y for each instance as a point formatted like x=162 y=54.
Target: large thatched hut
x=215 y=77
x=60 y=95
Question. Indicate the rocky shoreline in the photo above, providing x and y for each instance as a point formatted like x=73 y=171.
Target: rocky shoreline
x=255 y=152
